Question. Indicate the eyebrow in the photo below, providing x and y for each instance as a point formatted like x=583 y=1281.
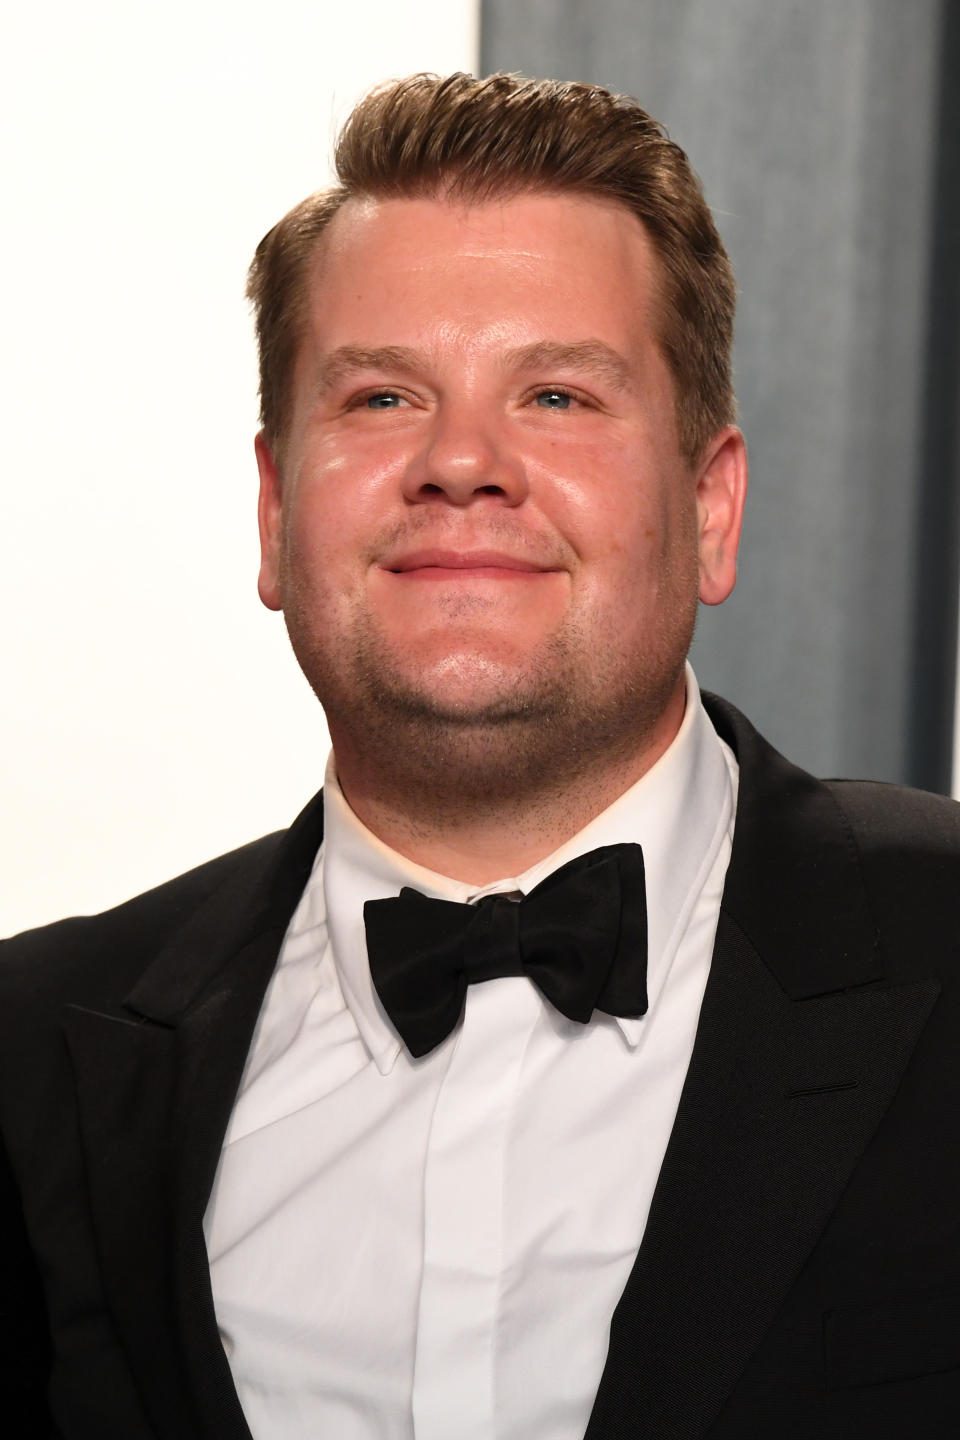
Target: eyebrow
x=348 y=360
x=593 y=356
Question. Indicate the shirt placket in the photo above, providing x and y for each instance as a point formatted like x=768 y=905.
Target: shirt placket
x=454 y=1389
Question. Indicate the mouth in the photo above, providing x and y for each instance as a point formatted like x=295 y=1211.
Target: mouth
x=464 y=565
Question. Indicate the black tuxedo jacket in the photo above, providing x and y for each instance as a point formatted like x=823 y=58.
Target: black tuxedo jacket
x=800 y=1271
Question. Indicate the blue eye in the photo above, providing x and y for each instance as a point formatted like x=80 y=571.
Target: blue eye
x=385 y=401
x=554 y=400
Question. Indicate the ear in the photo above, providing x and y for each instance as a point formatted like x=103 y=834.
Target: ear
x=269 y=514
x=721 y=494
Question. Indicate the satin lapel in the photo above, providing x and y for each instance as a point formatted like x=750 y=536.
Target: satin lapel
x=780 y=1101
x=126 y=1088
x=799 y=1051
x=156 y=1083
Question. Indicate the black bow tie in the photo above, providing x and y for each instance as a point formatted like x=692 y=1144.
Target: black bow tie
x=580 y=936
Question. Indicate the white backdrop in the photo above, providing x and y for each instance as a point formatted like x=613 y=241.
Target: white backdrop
x=153 y=715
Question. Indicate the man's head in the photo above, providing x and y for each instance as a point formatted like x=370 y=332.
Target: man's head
x=475 y=139
x=496 y=465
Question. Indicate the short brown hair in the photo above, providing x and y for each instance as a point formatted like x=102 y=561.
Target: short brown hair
x=474 y=139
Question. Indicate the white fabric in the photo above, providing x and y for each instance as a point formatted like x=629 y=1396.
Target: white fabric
x=434 y=1248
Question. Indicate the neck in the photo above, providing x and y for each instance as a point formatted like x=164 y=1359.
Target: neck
x=480 y=835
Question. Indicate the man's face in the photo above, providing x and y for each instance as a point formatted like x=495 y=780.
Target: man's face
x=483 y=518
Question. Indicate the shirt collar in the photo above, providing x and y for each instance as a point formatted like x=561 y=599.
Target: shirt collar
x=679 y=812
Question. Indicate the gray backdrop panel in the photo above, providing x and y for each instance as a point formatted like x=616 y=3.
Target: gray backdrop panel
x=818 y=128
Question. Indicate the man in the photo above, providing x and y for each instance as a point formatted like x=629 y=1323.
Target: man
x=644 y=1121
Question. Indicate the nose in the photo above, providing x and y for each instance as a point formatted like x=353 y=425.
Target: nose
x=464 y=457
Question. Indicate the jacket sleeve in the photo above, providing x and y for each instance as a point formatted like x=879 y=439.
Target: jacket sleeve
x=25 y=1351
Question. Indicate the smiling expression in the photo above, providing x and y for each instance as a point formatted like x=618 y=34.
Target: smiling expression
x=482 y=513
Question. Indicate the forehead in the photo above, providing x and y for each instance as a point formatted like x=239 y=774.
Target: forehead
x=574 y=261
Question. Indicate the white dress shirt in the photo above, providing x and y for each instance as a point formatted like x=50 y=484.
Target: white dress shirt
x=434 y=1248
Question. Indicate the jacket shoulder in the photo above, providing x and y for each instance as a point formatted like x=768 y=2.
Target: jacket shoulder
x=826 y=871
x=908 y=845
x=51 y=955
x=893 y=818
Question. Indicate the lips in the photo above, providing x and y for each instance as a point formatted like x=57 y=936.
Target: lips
x=444 y=564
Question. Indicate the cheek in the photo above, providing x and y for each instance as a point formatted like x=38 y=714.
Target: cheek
x=363 y=451
x=619 y=528
x=343 y=495
x=645 y=558
x=314 y=545
x=320 y=505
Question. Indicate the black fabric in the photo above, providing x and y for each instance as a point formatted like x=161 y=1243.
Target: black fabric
x=807 y=1207
x=580 y=936
x=899 y=1340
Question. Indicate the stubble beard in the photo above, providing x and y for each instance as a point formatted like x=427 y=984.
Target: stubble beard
x=577 y=709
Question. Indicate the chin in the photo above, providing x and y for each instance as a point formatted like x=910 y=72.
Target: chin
x=465 y=706
x=457 y=679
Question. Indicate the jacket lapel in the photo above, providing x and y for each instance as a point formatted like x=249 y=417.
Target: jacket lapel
x=156 y=1080
x=799 y=1051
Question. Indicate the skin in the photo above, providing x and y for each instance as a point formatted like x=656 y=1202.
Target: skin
x=485 y=541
